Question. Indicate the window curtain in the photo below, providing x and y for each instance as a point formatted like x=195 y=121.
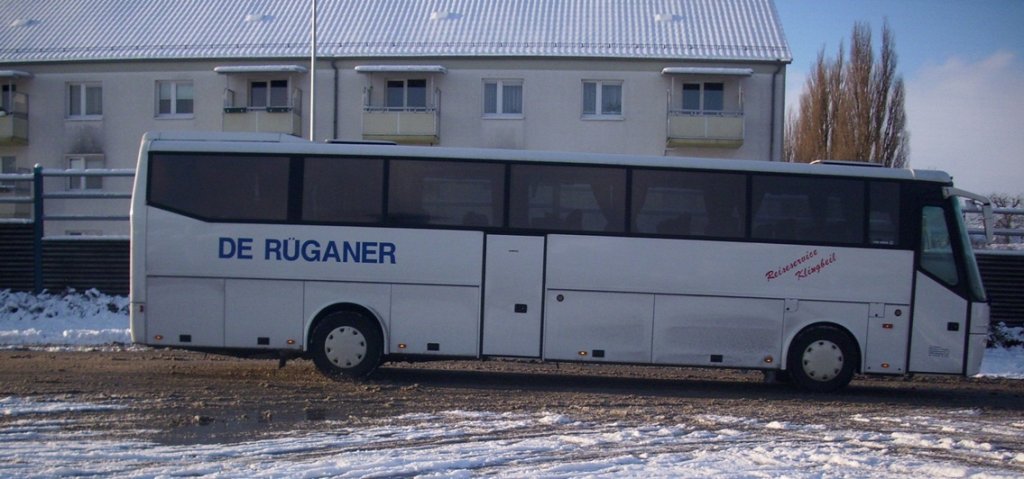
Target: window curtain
x=611 y=99
x=590 y=98
x=512 y=99
x=491 y=98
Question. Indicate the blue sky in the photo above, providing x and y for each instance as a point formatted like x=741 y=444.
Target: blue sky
x=963 y=64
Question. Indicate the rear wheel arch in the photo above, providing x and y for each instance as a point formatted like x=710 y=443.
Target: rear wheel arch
x=827 y=324
x=343 y=307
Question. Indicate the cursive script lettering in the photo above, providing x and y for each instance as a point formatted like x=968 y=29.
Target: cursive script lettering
x=803 y=273
x=780 y=271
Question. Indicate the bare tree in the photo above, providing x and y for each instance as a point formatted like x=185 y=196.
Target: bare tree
x=852 y=109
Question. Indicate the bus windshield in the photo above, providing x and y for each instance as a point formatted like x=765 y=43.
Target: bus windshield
x=974 y=285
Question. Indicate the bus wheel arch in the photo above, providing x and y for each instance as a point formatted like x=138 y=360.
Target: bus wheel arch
x=346 y=341
x=823 y=357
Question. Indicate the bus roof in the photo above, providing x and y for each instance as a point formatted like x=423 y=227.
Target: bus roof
x=290 y=145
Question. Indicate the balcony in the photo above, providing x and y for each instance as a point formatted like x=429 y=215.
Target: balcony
x=271 y=119
x=264 y=120
x=716 y=129
x=14 y=120
x=409 y=126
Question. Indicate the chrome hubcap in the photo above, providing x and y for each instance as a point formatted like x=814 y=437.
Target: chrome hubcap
x=822 y=360
x=345 y=347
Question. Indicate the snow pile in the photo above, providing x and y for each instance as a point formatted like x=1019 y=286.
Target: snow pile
x=1005 y=358
x=94 y=319
x=1003 y=363
x=471 y=444
x=63 y=319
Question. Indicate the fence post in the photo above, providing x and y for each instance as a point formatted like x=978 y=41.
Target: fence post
x=37 y=228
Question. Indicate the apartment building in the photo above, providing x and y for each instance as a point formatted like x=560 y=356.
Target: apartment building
x=82 y=80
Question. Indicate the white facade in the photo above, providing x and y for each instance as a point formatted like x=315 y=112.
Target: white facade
x=92 y=87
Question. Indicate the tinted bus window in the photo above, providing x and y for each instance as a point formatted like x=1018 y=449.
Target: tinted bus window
x=231 y=188
x=342 y=190
x=568 y=198
x=805 y=209
x=937 y=246
x=884 y=216
x=446 y=193
x=681 y=203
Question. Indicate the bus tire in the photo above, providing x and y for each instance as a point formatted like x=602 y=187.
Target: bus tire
x=822 y=359
x=346 y=345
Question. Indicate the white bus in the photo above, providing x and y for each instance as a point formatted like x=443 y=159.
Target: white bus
x=353 y=255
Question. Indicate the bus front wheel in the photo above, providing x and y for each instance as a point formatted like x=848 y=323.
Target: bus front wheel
x=346 y=345
x=822 y=359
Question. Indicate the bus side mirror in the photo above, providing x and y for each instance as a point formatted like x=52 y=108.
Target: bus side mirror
x=986 y=207
x=986 y=212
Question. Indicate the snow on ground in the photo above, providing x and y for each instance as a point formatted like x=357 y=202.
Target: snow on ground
x=63 y=319
x=465 y=444
x=1003 y=363
x=34 y=442
x=91 y=319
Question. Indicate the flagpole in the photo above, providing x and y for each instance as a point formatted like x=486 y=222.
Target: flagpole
x=312 y=74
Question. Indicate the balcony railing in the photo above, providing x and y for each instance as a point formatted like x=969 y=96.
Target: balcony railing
x=270 y=119
x=14 y=119
x=723 y=129
x=401 y=125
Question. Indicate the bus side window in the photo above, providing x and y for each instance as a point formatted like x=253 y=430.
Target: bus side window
x=884 y=217
x=568 y=198
x=684 y=203
x=807 y=209
x=342 y=190
x=446 y=193
x=936 y=248
x=221 y=187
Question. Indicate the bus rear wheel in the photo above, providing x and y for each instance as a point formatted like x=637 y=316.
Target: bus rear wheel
x=346 y=345
x=822 y=359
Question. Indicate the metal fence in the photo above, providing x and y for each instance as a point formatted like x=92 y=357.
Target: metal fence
x=1006 y=226
x=37 y=197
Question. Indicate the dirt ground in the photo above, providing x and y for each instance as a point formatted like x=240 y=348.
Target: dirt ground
x=184 y=397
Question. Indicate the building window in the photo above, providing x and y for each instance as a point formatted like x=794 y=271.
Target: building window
x=268 y=94
x=8 y=166
x=602 y=99
x=85 y=162
x=503 y=98
x=406 y=94
x=85 y=100
x=7 y=98
x=704 y=96
x=174 y=98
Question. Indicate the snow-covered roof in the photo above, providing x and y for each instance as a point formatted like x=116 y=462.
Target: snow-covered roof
x=92 y=30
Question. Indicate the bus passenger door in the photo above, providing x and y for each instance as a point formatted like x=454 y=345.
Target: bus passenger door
x=938 y=337
x=513 y=287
